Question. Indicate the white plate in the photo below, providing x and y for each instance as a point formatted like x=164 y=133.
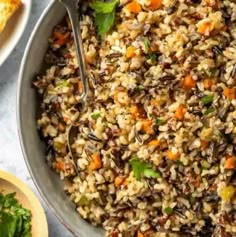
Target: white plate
x=14 y=30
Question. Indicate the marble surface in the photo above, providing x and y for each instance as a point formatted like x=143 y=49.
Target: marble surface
x=11 y=158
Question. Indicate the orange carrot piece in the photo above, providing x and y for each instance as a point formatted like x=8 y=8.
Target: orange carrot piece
x=119 y=180
x=230 y=93
x=96 y=162
x=204 y=144
x=155 y=4
x=172 y=155
x=137 y=112
x=204 y=28
x=154 y=143
x=208 y=83
x=139 y=234
x=180 y=112
x=65 y=119
x=134 y=111
x=59 y=165
x=147 y=126
x=134 y=7
x=189 y=83
x=61 y=39
x=130 y=52
x=230 y=163
x=121 y=97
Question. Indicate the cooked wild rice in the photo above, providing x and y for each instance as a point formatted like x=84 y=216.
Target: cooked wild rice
x=156 y=148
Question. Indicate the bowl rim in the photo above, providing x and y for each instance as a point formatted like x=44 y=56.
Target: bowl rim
x=18 y=114
x=23 y=27
x=23 y=187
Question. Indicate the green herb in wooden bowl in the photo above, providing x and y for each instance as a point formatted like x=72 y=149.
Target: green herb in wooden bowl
x=15 y=220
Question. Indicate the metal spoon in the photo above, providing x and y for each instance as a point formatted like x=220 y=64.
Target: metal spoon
x=72 y=7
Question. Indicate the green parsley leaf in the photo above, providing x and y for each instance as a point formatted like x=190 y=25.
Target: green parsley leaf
x=15 y=221
x=103 y=7
x=168 y=210
x=141 y=168
x=192 y=199
x=209 y=111
x=150 y=173
x=105 y=15
x=146 y=44
x=104 y=22
x=153 y=57
x=205 y=164
x=207 y=99
x=95 y=116
x=158 y=121
x=140 y=87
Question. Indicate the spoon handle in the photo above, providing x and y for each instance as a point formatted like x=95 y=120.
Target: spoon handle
x=71 y=7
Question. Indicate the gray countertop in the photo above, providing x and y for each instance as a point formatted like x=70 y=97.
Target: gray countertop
x=11 y=158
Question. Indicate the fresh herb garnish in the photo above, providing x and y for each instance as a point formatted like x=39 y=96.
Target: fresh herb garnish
x=207 y=99
x=209 y=111
x=95 y=116
x=104 y=15
x=15 y=221
x=140 y=87
x=158 y=121
x=205 y=164
x=146 y=44
x=63 y=84
x=153 y=57
x=168 y=210
x=141 y=168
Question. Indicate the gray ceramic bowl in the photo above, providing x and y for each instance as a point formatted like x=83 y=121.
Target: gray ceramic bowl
x=33 y=149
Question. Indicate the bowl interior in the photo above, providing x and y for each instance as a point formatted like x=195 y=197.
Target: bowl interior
x=48 y=183
x=10 y=184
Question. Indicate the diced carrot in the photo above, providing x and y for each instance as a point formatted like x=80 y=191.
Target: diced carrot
x=189 y=82
x=137 y=112
x=80 y=87
x=230 y=93
x=126 y=182
x=230 y=163
x=59 y=165
x=155 y=4
x=210 y=3
x=134 y=7
x=147 y=126
x=119 y=180
x=134 y=111
x=204 y=28
x=121 y=97
x=65 y=119
x=96 y=162
x=154 y=143
x=139 y=234
x=208 y=83
x=172 y=155
x=180 y=112
x=204 y=144
x=61 y=39
x=130 y=52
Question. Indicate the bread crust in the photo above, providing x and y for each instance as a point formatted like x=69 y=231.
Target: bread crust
x=7 y=9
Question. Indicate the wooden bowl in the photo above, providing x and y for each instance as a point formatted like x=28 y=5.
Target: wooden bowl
x=10 y=184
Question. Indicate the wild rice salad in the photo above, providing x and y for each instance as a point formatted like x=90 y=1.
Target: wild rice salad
x=156 y=149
